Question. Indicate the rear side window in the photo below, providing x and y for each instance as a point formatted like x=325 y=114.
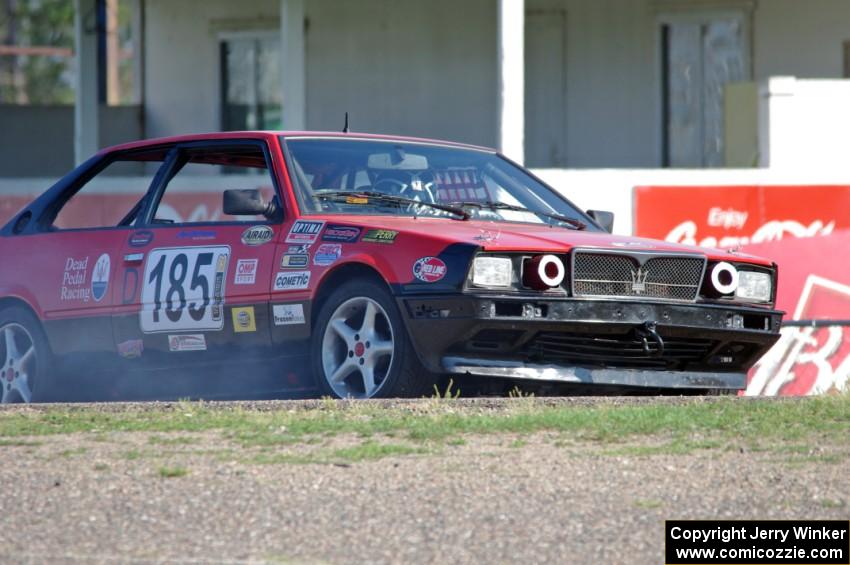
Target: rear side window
x=111 y=195
x=195 y=192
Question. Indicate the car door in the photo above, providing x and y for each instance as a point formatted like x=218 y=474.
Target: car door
x=195 y=280
x=77 y=259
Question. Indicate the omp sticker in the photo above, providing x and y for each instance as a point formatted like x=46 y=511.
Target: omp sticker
x=246 y=271
x=187 y=342
x=183 y=289
x=292 y=281
x=257 y=235
x=429 y=269
x=244 y=320
x=380 y=236
x=343 y=234
x=305 y=231
x=100 y=278
x=327 y=254
x=288 y=314
x=294 y=261
x=74 y=279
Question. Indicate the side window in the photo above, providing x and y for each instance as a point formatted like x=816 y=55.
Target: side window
x=195 y=193
x=108 y=198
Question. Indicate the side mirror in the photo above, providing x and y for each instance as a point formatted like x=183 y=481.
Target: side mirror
x=604 y=219
x=246 y=202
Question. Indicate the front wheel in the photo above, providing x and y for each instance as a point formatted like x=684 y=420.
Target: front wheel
x=360 y=347
x=24 y=355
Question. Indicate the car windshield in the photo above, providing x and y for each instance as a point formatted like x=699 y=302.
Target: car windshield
x=375 y=177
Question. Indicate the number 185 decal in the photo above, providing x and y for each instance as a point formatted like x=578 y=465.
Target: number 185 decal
x=184 y=289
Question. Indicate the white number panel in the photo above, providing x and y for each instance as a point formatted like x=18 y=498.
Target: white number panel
x=183 y=289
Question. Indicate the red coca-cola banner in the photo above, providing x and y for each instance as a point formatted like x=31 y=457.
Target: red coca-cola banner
x=729 y=216
x=813 y=354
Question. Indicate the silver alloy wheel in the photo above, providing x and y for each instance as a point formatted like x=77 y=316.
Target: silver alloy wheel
x=357 y=348
x=18 y=370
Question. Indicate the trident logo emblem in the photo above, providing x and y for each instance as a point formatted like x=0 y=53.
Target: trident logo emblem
x=639 y=280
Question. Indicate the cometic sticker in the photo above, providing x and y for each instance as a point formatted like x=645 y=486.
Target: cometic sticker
x=429 y=269
x=292 y=281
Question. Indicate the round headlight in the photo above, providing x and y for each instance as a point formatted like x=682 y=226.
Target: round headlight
x=724 y=278
x=544 y=272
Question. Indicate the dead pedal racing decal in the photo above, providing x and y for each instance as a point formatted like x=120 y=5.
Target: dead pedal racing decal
x=288 y=314
x=244 y=320
x=327 y=254
x=140 y=238
x=257 y=235
x=305 y=231
x=187 y=342
x=342 y=234
x=74 y=280
x=292 y=281
x=183 y=289
x=429 y=269
x=246 y=271
x=380 y=236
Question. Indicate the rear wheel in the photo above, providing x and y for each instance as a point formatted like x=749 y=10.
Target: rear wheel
x=360 y=347
x=24 y=355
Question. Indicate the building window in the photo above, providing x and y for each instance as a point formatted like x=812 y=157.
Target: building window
x=250 y=82
x=700 y=56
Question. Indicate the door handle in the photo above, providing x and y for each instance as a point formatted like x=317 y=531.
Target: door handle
x=134 y=258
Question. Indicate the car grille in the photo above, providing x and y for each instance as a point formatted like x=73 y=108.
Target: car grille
x=612 y=274
x=622 y=350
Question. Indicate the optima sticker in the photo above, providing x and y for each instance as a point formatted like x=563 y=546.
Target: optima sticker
x=305 y=231
x=429 y=269
x=257 y=235
x=292 y=281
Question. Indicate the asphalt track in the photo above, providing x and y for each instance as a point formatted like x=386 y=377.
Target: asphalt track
x=493 y=499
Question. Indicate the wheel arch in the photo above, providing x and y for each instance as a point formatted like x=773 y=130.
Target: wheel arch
x=340 y=274
x=10 y=301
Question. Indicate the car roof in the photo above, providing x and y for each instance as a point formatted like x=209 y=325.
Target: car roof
x=268 y=134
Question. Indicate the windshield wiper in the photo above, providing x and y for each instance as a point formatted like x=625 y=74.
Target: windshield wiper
x=576 y=224
x=344 y=195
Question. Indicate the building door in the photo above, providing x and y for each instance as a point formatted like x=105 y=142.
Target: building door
x=546 y=88
x=700 y=55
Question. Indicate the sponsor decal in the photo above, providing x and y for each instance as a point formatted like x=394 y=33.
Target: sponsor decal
x=140 y=238
x=380 y=236
x=298 y=249
x=343 y=234
x=327 y=254
x=632 y=244
x=305 y=231
x=243 y=319
x=257 y=235
x=74 y=280
x=100 y=278
x=187 y=342
x=131 y=349
x=429 y=269
x=183 y=289
x=196 y=234
x=246 y=271
x=288 y=314
x=292 y=281
x=294 y=261
x=487 y=235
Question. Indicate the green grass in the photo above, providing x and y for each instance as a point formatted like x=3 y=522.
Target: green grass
x=683 y=427
x=172 y=472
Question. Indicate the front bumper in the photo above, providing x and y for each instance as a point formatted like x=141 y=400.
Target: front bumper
x=610 y=342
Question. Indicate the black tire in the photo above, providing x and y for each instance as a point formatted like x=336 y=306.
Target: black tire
x=24 y=326
x=402 y=377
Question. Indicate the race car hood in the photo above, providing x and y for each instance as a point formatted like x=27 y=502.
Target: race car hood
x=505 y=236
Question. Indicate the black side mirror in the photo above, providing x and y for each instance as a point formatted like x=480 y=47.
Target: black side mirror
x=246 y=202
x=604 y=219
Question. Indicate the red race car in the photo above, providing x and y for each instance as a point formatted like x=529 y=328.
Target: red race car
x=356 y=266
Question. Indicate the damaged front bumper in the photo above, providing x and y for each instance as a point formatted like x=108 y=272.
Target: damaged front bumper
x=605 y=342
